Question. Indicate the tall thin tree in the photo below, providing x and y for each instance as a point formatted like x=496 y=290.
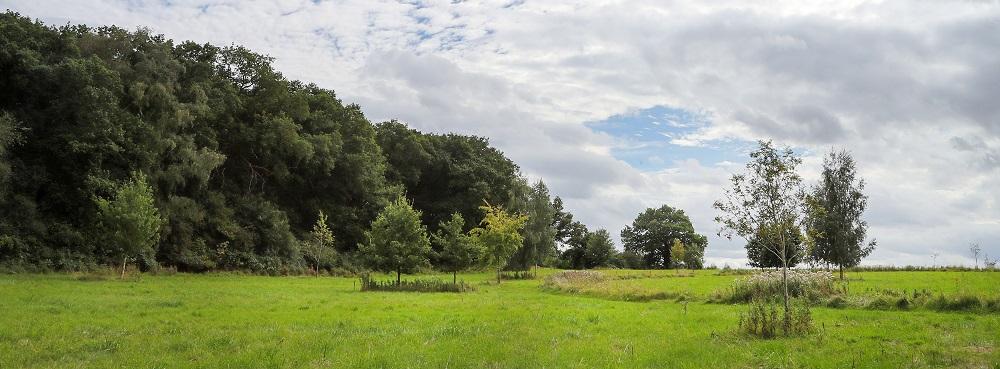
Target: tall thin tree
x=834 y=210
x=765 y=201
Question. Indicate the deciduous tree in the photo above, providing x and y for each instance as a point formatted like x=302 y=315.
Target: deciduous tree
x=653 y=232
x=129 y=221
x=457 y=251
x=834 y=209
x=397 y=241
x=499 y=235
x=765 y=202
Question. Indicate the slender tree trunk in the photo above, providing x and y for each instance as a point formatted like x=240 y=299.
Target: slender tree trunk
x=498 y=275
x=454 y=277
x=841 y=272
x=784 y=280
x=124 y=259
x=398 y=272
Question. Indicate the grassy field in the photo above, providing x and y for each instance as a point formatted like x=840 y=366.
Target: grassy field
x=233 y=321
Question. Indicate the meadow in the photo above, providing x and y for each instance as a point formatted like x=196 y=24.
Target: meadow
x=242 y=321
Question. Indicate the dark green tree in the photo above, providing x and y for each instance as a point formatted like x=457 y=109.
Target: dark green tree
x=759 y=254
x=599 y=249
x=539 y=234
x=397 y=241
x=834 y=214
x=653 y=232
x=457 y=251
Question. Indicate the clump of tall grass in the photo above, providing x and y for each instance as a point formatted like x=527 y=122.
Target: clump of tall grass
x=419 y=285
x=573 y=280
x=812 y=285
x=765 y=319
x=516 y=275
x=597 y=284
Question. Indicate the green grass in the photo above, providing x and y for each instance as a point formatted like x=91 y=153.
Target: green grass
x=219 y=321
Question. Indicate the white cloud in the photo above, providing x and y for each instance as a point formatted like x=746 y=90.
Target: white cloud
x=908 y=86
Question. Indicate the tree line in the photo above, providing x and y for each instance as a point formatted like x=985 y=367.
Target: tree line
x=122 y=147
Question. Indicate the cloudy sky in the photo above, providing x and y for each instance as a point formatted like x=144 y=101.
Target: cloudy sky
x=622 y=105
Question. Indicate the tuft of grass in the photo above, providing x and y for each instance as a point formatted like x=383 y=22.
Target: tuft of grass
x=419 y=285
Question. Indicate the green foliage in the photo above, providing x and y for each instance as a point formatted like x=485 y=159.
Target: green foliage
x=833 y=214
x=397 y=241
x=128 y=222
x=599 y=249
x=539 y=234
x=444 y=174
x=318 y=248
x=764 y=247
x=653 y=232
x=239 y=158
x=763 y=203
x=499 y=235
x=456 y=251
x=677 y=253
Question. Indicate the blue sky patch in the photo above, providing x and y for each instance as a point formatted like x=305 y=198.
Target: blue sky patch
x=644 y=138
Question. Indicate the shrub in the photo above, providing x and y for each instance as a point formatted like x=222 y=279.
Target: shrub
x=420 y=285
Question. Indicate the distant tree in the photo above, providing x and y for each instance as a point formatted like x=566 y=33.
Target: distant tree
x=975 y=250
x=759 y=246
x=599 y=249
x=677 y=253
x=397 y=241
x=833 y=214
x=499 y=235
x=539 y=233
x=457 y=251
x=653 y=232
x=764 y=202
x=129 y=221
x=318 y=249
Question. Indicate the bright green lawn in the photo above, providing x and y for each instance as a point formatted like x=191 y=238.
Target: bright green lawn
x=219 y=321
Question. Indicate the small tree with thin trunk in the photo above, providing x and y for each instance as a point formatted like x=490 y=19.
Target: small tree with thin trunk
x=677 y=253
x=397 y=240
x=500 y=236
x=129 y=221
x=457 y=251
x=764 y=202
x=318 y=249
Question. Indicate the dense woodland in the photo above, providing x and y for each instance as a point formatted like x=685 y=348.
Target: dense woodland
x=245 y=169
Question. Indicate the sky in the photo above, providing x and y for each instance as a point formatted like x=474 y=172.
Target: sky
x=623 y=105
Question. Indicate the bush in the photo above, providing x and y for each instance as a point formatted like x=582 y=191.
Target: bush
x=765 y=319
x=768 y=286
x=420 y=285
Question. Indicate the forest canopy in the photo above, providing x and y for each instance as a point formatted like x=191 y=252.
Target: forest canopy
x=244 y=168
x=240 y=159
